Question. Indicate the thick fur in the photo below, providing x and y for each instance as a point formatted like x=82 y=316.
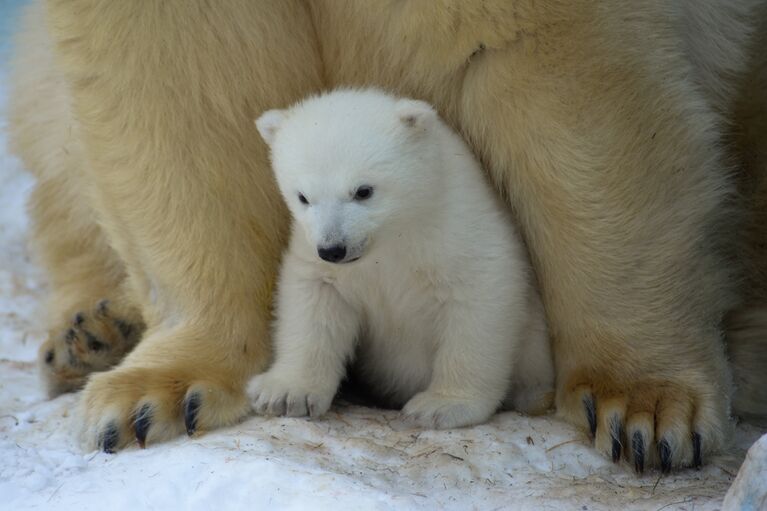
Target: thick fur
x=603 y=123
x=610 y=148
x=747 y=325
x=434 y=290
x=177 y=183
x=83 y=269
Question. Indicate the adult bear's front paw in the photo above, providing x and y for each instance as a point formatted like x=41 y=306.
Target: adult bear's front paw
x=155 y=402
x=667 y=422
x=145 y=405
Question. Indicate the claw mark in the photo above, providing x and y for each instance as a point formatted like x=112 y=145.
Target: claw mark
x=697 y=459
x=616 y=432
x=591 y=413
x=664 y=450
x=191 y=409
x=142 y=423
x=109 y=439
x=637 y=446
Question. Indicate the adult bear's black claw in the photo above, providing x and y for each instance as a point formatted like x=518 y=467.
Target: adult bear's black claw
x=142 y=423
x=591 y=414
x=191 y=409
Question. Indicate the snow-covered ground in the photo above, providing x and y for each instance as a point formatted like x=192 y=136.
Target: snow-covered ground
x=351 y=459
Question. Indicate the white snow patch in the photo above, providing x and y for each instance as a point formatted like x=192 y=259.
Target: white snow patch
x=749 y=491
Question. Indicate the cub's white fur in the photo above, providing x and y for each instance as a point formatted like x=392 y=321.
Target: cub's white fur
x=430 y=291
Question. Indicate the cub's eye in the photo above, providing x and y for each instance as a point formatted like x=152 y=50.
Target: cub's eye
x=363 y=192
x=302 y=199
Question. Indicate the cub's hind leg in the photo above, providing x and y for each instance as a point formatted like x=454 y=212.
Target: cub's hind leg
x=532 y=388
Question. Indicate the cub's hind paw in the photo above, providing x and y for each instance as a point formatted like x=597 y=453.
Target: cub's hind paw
x=94 y=340
x=434 y=410
x=649 y=424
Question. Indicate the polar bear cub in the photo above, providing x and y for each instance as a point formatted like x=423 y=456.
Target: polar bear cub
x=403 y=261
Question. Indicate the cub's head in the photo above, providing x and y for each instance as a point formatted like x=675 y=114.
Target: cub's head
x=355 y=168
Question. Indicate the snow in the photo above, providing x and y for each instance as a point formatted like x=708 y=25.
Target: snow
x=351 y=458
x=749 y=491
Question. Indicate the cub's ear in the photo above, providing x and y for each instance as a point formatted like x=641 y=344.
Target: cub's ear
x=415 y=114
x=269 y=124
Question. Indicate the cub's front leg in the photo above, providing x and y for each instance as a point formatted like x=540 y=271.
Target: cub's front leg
x=477 y=341
x=315 y=331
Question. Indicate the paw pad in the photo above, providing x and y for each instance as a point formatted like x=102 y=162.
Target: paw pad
x=91 y=341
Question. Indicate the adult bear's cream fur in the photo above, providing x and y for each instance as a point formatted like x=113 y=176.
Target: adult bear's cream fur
x=602 y=122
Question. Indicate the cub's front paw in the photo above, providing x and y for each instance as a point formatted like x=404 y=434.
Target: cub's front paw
x=436 y=410
x=272 y=394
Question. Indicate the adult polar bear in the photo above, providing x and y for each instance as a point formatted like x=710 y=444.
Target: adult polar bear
x=600 y=121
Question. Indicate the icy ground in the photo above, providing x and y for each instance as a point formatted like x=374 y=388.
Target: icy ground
x=351 y=459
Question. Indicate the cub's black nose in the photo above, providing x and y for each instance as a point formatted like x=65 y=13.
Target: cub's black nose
x=332 y=254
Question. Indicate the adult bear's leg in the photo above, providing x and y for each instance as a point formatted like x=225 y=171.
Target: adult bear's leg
x=166 y=94
x=91 y=323
x=613 y=160
x=747 y=325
